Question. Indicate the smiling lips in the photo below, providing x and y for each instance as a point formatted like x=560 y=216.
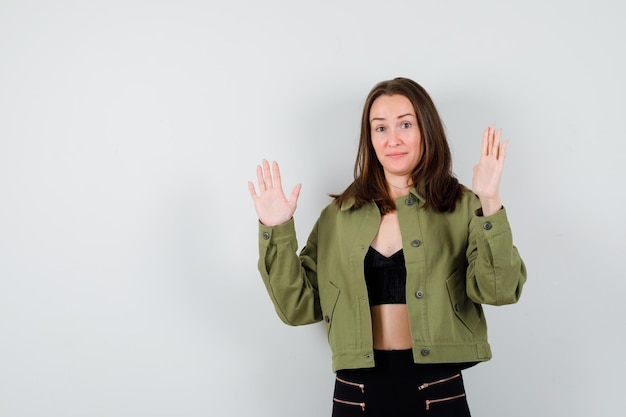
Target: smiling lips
x=396 y=154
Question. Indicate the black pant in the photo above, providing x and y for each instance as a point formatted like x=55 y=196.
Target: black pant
x=397 y=387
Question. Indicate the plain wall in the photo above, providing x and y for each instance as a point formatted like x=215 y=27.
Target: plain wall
x=128 y=240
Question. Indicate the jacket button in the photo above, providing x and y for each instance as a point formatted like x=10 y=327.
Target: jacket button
x=266 y=235
x=487 y=226
x=457 y=307
x=425 y=352
x=416 y=243
x=419 y=294
x=327 y=319
x=409 y=201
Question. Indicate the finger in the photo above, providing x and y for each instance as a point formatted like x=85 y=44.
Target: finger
x=495 y=145
x=485 y=147
x=252 y=190
x=492 y=129
x=260 y=179
x=267 y=174
x=503 y=151
x=295 y=193
x=278 y=183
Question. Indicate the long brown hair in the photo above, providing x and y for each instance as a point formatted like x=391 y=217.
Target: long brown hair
x=433 y=174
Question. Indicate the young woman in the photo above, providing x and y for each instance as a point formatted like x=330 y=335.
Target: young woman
x=398 y=265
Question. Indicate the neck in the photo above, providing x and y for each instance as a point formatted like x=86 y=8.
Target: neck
x=399 y=186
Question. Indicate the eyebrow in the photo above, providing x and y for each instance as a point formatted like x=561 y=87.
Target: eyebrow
x=399 y=117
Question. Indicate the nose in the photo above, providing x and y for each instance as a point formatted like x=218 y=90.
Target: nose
x=394 y=138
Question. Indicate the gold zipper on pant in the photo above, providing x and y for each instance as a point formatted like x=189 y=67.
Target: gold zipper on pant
x=354 y=384
x=362 y=405
x=441 y=381
x=439 y=400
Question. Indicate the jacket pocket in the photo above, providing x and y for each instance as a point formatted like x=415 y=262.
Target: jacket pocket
x=329 y=302
x=465 y=309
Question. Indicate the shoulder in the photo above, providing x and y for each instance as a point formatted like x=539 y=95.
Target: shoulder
x=461 y=216
x=347 y=217
x=331 y=209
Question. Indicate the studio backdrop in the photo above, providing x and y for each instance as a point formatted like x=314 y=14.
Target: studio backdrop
x=128 y=239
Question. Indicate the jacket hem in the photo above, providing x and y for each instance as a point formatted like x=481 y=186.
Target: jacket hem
x=422 y=354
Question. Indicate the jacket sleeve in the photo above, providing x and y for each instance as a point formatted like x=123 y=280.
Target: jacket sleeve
x=495 y=271
x=291 y=280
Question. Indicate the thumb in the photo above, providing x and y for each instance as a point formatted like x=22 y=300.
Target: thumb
x=295 y=193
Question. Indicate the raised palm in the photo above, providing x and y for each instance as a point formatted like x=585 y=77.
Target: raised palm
x=271 y=205
x=488 y=171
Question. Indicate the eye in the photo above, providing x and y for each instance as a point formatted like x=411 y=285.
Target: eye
x=406 y=125
x=380 y=129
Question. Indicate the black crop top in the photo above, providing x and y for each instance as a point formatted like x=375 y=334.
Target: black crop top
x=385 y=277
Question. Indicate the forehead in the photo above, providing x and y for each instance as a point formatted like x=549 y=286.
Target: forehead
x=391 y=106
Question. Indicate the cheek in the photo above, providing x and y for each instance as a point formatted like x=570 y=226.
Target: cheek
x=418 y=151
x=417 y=144
x=377 y=147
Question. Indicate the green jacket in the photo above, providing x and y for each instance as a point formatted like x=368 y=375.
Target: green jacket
x=455 y=262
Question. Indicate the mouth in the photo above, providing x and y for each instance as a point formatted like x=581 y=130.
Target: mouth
x=396 y=155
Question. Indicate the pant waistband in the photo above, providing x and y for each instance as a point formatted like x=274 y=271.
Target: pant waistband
x=393 y=359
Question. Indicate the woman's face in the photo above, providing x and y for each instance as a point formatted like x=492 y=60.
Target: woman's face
x=395 y=135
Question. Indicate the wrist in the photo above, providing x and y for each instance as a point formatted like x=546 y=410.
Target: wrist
x=491 y=206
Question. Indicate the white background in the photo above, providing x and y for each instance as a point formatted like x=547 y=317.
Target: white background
x=128 y=240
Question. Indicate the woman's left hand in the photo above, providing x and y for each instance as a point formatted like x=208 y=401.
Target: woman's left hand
x=487 y=174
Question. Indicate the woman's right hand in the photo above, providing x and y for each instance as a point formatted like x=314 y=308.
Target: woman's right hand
x=270 y=204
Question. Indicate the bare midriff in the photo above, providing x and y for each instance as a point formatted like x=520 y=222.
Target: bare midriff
x=390 y=322
x=390 y=327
